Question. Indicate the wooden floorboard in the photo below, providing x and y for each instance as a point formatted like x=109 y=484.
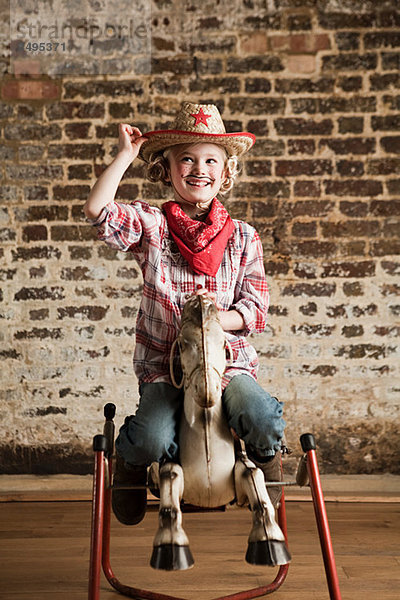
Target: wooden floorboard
x=65 y=487
x=44 y=552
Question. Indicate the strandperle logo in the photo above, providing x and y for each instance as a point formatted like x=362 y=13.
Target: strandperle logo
x=105 y=37
x=35 y=30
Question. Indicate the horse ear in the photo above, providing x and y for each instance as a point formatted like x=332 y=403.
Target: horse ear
x=182 y=342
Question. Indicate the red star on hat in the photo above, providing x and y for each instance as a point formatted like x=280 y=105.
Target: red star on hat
x=200 y=117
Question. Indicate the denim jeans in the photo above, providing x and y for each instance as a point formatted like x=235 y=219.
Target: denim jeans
x=151 y=434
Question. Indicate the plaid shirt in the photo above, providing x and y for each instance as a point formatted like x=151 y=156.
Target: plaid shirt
x=169 y=281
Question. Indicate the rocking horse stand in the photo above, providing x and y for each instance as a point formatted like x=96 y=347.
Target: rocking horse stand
x=103 y=446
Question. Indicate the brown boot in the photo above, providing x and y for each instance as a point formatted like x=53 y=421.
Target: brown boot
x=129 y=506
x=272 y=469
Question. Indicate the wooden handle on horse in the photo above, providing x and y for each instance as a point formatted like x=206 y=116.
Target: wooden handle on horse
x=171 y=367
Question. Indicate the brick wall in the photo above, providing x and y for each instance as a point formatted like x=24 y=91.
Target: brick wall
x=318 y=83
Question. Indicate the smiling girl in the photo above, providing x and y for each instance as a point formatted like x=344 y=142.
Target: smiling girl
x=189 y=246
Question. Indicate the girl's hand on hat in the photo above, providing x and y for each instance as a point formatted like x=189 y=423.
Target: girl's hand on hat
x=130 y=140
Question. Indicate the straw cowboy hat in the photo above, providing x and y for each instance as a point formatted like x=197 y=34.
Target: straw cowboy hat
x=197 y=123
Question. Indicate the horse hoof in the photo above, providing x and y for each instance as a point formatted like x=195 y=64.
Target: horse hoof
x=171 y=557
x=268 y=552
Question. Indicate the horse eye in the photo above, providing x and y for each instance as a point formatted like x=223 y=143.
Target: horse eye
x=184 y=344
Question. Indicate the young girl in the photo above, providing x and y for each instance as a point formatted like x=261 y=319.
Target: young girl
x=189 y=246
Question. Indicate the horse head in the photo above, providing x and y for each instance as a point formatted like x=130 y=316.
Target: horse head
x=202 y=345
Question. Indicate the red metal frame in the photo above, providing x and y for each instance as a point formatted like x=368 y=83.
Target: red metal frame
x=100 y=537
x=96 y=541
x=100 y=546
x=323 y=526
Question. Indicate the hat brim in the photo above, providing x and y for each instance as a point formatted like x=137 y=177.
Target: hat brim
x=234 y=143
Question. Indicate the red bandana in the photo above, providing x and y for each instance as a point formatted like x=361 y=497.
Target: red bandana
x=202 y=243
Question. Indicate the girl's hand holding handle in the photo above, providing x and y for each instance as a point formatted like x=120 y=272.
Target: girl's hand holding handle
x=208 y=294
x=231 y=320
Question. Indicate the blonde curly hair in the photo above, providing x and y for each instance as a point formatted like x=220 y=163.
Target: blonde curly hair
x=157 y=170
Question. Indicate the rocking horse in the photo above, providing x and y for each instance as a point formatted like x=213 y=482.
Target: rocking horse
x=214 y=471
x=209 y=475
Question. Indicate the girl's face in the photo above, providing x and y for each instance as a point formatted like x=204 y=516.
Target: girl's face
x=196 y=171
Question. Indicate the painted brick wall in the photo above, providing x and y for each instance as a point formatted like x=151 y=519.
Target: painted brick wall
x=318 y=83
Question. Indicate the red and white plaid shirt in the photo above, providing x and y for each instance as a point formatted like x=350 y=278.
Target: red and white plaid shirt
x=169 y=281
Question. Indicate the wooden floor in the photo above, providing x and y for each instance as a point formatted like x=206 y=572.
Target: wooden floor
x=44 y=553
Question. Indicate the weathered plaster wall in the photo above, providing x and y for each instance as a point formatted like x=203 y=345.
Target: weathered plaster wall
x=318 y=83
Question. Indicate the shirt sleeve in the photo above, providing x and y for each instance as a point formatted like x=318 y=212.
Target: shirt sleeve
x=252 y=289
x=124 y=226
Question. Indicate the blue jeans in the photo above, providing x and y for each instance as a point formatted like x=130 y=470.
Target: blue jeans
x=151 y=434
